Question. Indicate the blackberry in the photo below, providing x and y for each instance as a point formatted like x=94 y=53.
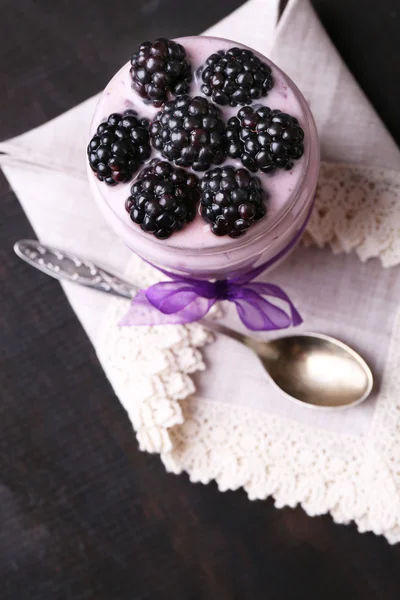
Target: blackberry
x=158 y=68
x=189 y=132
x=264 y=139
x=231 y=200
x=118 y=148
x=235 y=77
x=163 y=199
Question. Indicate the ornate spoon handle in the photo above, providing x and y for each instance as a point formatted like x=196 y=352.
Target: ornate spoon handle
x=65 y=266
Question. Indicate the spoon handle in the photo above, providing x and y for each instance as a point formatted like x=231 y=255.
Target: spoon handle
x=66 y=266
x=217 y=327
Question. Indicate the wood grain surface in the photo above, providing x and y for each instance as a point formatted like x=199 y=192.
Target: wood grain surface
x=83 y=514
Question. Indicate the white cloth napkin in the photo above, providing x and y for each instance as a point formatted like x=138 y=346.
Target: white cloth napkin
x=240 y=432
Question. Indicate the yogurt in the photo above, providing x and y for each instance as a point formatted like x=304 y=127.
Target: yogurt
x=195 y=250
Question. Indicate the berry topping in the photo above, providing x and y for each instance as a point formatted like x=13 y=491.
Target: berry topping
x=189 y=132
x=264 y=139
x=235 y=77
x=163 y=199
x=231 y=200
x=119 y=147
x=158 y=68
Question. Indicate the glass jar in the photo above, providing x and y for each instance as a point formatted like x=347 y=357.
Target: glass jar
x=195 y=251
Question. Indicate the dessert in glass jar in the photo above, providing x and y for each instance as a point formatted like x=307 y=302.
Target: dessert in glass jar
x=204 y=157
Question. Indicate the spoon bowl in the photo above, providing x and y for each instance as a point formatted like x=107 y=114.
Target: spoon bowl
x=317 y=370
x=311 y=369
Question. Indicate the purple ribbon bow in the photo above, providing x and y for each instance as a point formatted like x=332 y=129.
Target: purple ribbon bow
x=184 y=300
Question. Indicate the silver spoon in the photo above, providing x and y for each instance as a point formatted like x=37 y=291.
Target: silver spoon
x=309 y=368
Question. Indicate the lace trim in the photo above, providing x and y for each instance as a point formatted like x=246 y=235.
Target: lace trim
x=357 y=208
x=353 y=478
x=385 y=431
x=149 y=367
x=292 y=462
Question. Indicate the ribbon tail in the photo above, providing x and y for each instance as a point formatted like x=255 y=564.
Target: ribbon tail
x=143 y=312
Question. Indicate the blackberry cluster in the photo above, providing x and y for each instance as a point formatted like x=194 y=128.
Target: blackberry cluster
x=231 y=200
x=163 y=199
x=189 y=132
x=119 y=147
x=264 y=139
x=159 y=68
x=235 y=77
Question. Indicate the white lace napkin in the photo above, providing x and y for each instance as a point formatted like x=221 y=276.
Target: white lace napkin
x=176 y=386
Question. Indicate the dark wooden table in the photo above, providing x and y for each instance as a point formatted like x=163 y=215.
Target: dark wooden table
x=84 y=514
